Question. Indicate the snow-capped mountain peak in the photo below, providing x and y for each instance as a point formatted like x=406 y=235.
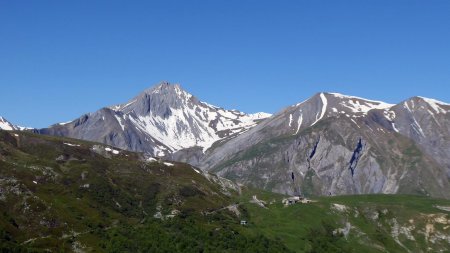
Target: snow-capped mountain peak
x=161 y=120
x=177 y=119
x=6 y=125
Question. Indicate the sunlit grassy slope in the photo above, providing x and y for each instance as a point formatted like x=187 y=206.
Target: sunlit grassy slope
x=359 y=223
x=65 y=195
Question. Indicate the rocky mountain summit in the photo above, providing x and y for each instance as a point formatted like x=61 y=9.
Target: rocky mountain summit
x=159 y=121
x=335 y=144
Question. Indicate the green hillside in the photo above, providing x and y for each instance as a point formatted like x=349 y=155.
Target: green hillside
x=69 y=195
x=65 y=195
x=359 y=223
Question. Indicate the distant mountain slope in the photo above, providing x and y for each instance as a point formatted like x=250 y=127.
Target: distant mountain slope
x=6 y=125
x=336 y=144
x=159 y=121
x=427 y=122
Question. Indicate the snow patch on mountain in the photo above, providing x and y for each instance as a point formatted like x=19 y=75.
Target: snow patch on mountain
x=324 y=108
x=390 y=115
x=299 y=123
x=175 y=131
x=415 y=125
x=405 y=104
x=6 y=125
x=120 y=122
x=436 y=104
x=64 y=123
x=394 y=127
x=361 y=105
x=259 y=115
x=116 y=152
x=71 y=144
x=123 y=106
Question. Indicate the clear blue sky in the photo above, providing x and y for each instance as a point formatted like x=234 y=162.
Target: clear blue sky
x=60 y=59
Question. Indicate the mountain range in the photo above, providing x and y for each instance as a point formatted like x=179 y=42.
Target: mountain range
x=206 y=179
x=330 y=144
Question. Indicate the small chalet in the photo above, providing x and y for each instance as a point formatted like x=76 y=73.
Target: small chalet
x=294 y=200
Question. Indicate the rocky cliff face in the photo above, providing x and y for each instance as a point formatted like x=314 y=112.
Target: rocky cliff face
x=336 y=144
x=159 y=121
x=427 y=122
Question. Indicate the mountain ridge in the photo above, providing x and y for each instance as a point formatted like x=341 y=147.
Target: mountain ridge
x=318 y=140
x=334 y=143
x=160 y=120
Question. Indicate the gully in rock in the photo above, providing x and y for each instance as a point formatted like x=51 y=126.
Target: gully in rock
x=355 y=157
